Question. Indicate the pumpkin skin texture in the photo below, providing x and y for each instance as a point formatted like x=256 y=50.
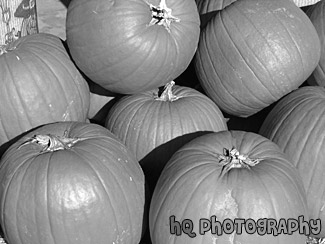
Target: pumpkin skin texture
x=297 y=124
x=39 y=84
x=316 y=15
x=206 y=6
x=153 y=127
x=191 y=186
x=253 y=52
x=116 y=45
x=91 y=192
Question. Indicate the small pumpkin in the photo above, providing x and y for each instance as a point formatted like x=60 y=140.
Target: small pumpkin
x=39 y=84
x=229 y=175
x=253 y=52
x=154 y=124
x=296 y=124
x=71 y=183
x=132 y=46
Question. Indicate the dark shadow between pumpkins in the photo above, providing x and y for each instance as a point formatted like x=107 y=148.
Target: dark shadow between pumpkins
x=154 y=162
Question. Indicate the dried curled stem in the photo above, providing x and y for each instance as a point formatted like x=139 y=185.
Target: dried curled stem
x=167 y=94
x=5 y=48
x=162 y=15
x=233 y=159
x=51 y=143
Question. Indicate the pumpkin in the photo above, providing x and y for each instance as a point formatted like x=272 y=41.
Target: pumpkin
x=297 y=125
x=316 y=15
x=224 y=176
x=39 y=84
x=70 y=182
x=132 y=46
x=154 y=124
x=253 y=52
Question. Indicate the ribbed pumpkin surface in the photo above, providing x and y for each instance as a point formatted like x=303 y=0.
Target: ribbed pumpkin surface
x=297 y=125
x=206 y=6
x=252 y=53
x=190 y=187
x=317 y=17
x=39 y=84
x=89 y=193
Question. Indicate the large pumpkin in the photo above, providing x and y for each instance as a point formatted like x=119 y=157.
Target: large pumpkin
x=154 y=124
x=317 y=17
x=39 y=84
x=253 y=52
x=132 y=46
x=297 y=125
x=71 y=183
x=230 y=175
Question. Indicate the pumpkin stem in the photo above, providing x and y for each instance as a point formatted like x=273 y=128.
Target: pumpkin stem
x=51 y=143
x=5 y=48
x=167 y=94
x=233 y=159
x=162 y=15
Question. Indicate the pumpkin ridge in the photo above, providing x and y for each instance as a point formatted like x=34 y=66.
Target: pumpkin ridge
x=3 y=202
x=307 y=139
x=295 y=45
x=257 y=99
x=289 y=178
x=297 y=124
x=52 y=72
x=258 y=177
x=208 y=54
x=175 y=181
x=74 y=83
x=314 y=168
x=196 y=188
x=19 y=193
x=172 y=188
x=17 y=91
x=9 y=104
x=287 y=113
x=257 y=58
x=35 y=45
x=294 y=42
x=240 y=101
x=145 y=59
x=99 y=178
x=143 y=106
x=36 y=86
x=47 y=194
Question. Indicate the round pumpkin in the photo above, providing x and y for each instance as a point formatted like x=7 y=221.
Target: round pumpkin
x=154 y=124
x=317 y=17
x=132 y=46
x=297 y=125
x=71 y=182
x=254 y=52
x=224 y=176
x=39 y=84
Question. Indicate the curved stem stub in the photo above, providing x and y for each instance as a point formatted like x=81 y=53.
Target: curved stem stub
x=233 y=159
x=51 y=143
x=162 y=15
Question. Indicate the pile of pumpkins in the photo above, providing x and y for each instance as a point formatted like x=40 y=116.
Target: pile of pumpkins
x=161 y=113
